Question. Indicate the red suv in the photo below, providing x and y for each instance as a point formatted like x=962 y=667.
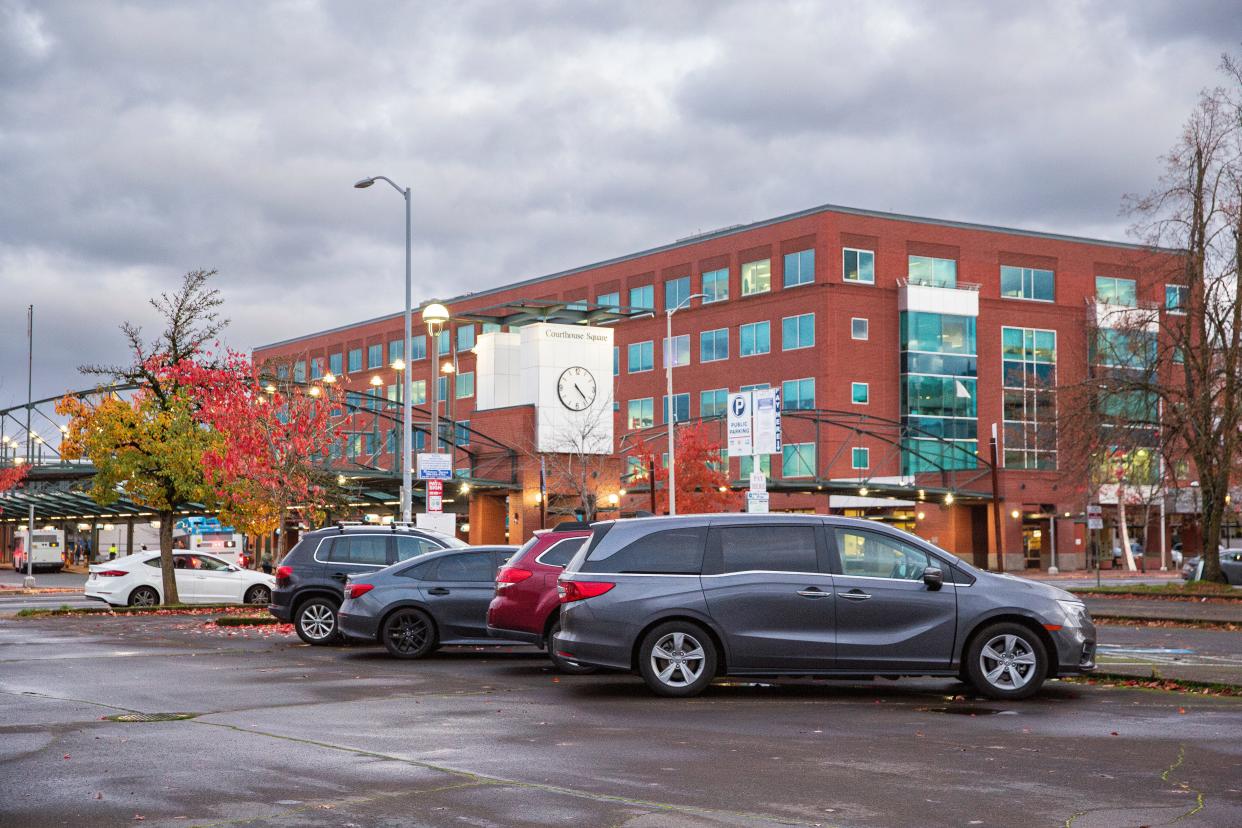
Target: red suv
x=526 y=606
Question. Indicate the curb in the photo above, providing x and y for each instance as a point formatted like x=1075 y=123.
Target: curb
x=1189 y=622
x=1184 y=685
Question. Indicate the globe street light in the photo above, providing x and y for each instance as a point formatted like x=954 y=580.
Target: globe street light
x=671 y=415
x=406 y=413
x=435 y=316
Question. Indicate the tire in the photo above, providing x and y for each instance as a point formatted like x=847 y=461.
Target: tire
x=677 y=659
x=259 y=594
x=563 y=665
x=144 y=596
x=316 y=622
x=1007 y=662
x=408 y=633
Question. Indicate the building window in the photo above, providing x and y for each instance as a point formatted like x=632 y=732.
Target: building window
x=612 y=301
x=643 y=297
x=316 y=367
x=680 y=351
x=860 y=328
x=299 y=371
x=939 y=368
x=858 y=266
x=746 y=465
x=394 y=393
x=442 y=388
x=1027 y=283
x=418 y=347
x=675 y=292
x=1029 y=378
x=418 y=392
x=577 y=304
x=1176 y=298
x=799 y=268
x=355 y=359
x=375 y=355
x=860 y=458
x=756 y=277
x=860 y=393
x=461 y=436
x=334 y=364
x=925 y=270
x=395 y=351
x=798 y=394
x=641 y=414
x=1110 y=290
x=442 y=342
x=641 y=356
x=465 y=337
x=465 y=384
x=491 y=327
x=756 y=338
x=681 y=403
x=798 y=460
x=756 y=387
x=716 y=285
x=798 y=332
x=714 y=345
x=713 y=403
x=616 y=360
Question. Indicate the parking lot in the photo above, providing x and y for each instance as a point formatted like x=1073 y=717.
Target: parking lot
x=291 y=735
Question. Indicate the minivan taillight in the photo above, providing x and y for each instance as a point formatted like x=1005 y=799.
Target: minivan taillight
x=570 y=591
x=358 y=590
x=510 y=575
x=283 y=574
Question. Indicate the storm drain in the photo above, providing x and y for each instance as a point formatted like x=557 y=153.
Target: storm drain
x=150 y=717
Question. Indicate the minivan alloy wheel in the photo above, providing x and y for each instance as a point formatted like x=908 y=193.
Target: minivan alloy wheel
x=1007 y=662
x=677 y=659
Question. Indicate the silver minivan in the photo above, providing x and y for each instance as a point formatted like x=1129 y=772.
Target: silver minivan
x=681 y=600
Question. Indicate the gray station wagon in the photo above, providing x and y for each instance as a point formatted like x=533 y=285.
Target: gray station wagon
x=681 y=600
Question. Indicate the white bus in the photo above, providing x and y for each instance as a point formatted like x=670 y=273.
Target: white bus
x=46 y=546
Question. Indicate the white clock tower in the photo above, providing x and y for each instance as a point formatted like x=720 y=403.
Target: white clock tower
x=565 y=371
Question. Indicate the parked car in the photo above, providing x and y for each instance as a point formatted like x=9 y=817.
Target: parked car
x=1230 y=566
x=681 y=600
x=310 y=581
x=136 y=581
x=414 y=607
x=526 y=606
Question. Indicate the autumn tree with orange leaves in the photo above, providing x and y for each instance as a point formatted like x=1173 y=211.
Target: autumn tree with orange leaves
x=702 y=482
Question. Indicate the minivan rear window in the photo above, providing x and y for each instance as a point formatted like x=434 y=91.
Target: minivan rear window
x=772 y=548
x=666 y=552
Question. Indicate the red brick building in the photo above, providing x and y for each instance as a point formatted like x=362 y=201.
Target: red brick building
x=897 y=342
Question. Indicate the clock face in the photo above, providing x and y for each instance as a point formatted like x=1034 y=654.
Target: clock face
x=576 y=388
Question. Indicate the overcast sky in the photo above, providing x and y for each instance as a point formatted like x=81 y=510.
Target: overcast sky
x=140 y=140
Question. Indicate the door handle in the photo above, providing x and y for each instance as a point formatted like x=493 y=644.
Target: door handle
x=813 y=592
x=437 y=591
x=339 y=576
x=855 y=595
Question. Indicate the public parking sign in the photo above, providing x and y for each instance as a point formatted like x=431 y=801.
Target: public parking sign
x=739 y=425
x=435 y=467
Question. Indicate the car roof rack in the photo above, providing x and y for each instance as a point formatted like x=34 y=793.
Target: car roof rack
x=342 y=525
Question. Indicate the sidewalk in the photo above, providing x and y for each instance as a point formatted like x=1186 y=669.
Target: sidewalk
x=1157 y=609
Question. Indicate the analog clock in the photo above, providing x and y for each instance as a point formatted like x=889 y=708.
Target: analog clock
x=576 y=388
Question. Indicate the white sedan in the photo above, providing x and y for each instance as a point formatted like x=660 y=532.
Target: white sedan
x=201 y=579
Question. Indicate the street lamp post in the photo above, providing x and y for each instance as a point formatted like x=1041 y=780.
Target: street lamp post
x=406 y=413
x=672 y=407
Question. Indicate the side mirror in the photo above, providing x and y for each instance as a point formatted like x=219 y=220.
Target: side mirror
x=933 y=577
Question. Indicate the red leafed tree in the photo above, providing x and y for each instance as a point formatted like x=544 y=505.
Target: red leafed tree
x=701 y=474
x=11 y=477
x=263 y=467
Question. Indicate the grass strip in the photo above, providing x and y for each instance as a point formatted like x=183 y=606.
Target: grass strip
x=247 y=621
x=1145 y=621
x=164 y=609
x=1201 y=688
x=1184 y=591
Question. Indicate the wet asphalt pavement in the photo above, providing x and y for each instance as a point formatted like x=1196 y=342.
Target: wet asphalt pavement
x=289 y=735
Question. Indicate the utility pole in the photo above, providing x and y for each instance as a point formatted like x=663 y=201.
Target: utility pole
x=996 y=504
x=29 y=581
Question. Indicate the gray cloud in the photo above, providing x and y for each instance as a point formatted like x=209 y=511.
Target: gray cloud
x=139 y=140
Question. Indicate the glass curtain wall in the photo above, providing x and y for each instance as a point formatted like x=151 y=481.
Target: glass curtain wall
x=939 y=371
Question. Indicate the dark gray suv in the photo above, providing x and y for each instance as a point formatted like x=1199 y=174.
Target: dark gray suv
x=681 y=600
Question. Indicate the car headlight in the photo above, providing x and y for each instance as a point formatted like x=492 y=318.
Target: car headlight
x=1075 y=612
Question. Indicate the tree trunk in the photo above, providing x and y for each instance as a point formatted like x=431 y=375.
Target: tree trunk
x=1125 y=530
x=168 y=575
x=1213 y=516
